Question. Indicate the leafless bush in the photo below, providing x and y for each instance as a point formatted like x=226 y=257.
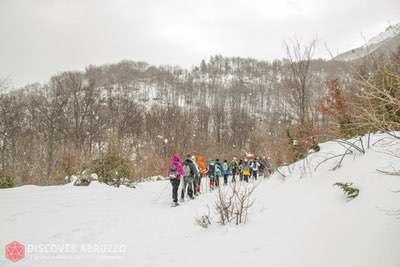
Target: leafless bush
x=233 y=203
x=380 y=108
x=350 y=146
x=224 y=206
x=392 y=173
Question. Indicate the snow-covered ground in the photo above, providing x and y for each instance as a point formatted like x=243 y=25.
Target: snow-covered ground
x=299 y=220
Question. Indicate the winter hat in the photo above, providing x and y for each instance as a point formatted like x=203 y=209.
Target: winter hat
x=175 y=158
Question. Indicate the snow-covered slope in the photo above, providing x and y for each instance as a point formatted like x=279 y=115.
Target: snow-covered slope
x=297 y=220
x=390 y=32
x=384 y=43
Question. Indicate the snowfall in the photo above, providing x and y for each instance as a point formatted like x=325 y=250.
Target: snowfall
x=298 y=219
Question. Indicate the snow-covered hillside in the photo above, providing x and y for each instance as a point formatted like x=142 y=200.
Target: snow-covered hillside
x=297 y=220
x=390 y=32
x=383 y=43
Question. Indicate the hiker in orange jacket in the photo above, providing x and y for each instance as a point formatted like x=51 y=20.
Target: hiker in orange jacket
x=203 y=170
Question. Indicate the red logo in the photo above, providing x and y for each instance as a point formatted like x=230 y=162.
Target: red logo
x=15 y=251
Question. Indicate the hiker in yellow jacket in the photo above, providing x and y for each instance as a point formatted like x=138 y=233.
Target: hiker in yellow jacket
x=246 y=170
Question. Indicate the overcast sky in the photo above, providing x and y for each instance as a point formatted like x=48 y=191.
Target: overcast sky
x=39 y=38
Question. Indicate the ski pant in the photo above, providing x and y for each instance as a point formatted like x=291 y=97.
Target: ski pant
x=234 y=175
x=197 y=183
x=246 y=178
x=211 y=181
x=262 y=172
x=175 y=185
x=188 y=184
x=255 y=175
x=216 y=180
x=225 y=179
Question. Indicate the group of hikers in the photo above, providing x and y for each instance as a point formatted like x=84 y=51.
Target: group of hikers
x=193 y=169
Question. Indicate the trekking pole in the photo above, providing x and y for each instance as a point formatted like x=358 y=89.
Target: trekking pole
x=207 y=183
x=204 y=178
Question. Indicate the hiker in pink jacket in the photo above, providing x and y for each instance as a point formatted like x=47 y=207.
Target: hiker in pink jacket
x=175 y=169
x=175 y=172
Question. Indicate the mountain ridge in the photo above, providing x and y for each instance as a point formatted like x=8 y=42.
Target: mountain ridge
x=384 y=43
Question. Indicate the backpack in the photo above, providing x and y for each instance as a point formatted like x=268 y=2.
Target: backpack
x=211 y=168
x=195 y=167
x=234 y=164
x=255 y=166
x=188 y=171
x=218 y=169
x=173 y=171
x=225 y=167
x=246 y=170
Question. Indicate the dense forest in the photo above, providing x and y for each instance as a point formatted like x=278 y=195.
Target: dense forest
x=125 y=120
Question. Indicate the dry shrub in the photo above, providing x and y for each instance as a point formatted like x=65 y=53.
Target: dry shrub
x=6 y=180
x=301 y=140
x=112 y=169
x=380 y=109
x=335 y=106
x=233 y=203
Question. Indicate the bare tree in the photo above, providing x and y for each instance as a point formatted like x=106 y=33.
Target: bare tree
x=11 y=117
x=47 y=109
x=299 y=61
x=225 y=107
